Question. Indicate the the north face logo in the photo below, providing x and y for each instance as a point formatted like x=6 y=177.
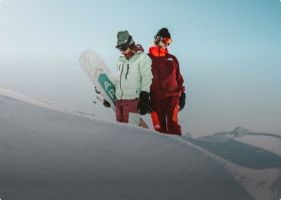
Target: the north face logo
x=170 y=59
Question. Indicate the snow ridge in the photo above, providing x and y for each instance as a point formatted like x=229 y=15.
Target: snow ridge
x=4 y=91
x=262 y=184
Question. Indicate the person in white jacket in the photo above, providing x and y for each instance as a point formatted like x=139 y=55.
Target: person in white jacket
x=133 y=80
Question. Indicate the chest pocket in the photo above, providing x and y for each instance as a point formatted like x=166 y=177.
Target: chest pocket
x=170 y=68
x=169 y=81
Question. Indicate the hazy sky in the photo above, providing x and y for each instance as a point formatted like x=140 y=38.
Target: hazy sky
x=229 y=52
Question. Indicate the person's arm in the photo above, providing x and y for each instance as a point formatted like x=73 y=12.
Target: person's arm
x=146 y=73
x=180 y=81
x=111 y=76
x=179 y=77
x=146 y=80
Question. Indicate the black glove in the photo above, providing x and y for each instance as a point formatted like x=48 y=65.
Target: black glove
x=182 y=100
x=144 y=104
x=106 y=104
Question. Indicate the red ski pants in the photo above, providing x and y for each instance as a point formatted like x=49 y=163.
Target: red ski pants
x=127 y=111
x=165 y=115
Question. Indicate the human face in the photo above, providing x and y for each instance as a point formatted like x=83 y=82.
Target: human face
x=123 y=48
x=164 y=42
x=167 y=41
x=125 y=52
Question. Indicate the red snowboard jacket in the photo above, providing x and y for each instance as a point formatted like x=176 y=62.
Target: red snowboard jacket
x=167 y=80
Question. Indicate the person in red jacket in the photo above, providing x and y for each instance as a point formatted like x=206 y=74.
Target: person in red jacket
x=167 y=91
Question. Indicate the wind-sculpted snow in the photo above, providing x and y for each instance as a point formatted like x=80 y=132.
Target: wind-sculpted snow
x=47 y=154
x=256 y=168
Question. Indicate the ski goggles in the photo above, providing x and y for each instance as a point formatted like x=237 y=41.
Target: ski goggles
x=123 y=47
x=167 y=41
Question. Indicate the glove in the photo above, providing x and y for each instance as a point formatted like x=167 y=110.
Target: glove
x=106 y=104
x=144 y=104
x=182 y=100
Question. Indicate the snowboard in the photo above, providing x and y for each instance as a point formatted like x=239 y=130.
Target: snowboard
x=97 y=71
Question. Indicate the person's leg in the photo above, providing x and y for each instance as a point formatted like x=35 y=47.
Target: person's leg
x=119 y=111
x=131 y=113
x=158 y=116
x=172 y=116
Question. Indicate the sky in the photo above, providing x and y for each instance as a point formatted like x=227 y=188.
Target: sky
x=229 y=53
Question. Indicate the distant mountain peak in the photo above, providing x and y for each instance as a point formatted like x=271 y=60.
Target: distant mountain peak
x=240 y=130
x=188 y=135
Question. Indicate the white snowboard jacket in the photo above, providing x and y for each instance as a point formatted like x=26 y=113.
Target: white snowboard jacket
x=133 y=76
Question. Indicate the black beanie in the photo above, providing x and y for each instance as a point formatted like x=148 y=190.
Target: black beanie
x=164 y=33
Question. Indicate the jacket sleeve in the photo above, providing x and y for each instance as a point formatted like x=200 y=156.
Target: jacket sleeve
x=114 y=77
x=179 y=77
x=146 y=73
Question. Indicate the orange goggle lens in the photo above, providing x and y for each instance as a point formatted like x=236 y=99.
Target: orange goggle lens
x=167 y=41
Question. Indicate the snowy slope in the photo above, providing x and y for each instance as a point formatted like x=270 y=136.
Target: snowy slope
x=4 y=91
x=46 y=154
x=257 y=168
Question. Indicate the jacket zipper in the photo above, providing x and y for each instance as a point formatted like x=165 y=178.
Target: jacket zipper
x=121 y=79
x=127 y=71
